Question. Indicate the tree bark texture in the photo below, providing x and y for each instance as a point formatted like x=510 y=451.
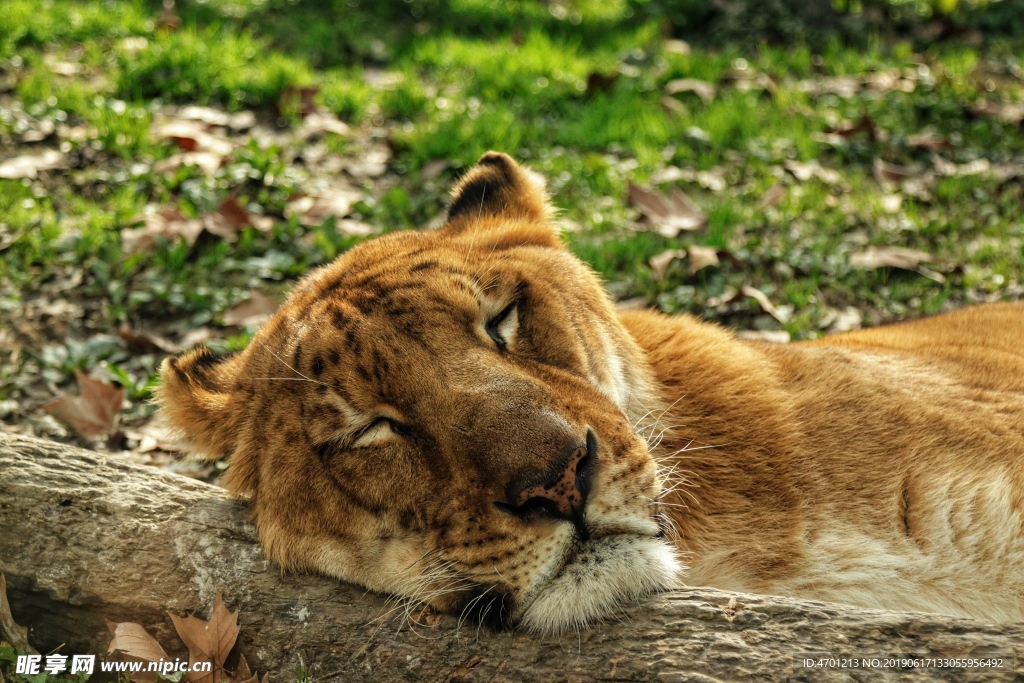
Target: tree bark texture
x=85 y=537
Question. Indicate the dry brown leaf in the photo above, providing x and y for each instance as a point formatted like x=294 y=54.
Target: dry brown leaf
x=347 y=226
x=671 y=174
x=231 y=217
x=335 y=200
x=841 y=321
x=141 y=342
x=702 y=257
x=169 y=223
x=190 y=136
x=189 y=144
x=371 y=164
x=226 y=222
x=712 y=179
x=243 y=674
x=215 y=117
x=888 y=81
x=132 y=640
x=745 y=80
x=94 y=412
x=207 y=162
x=892 y=257
x=253 y=311
x=29 y=165
x=1004 y=112
x=668 y=215
x=660 y=262
x=673 y=106
x=948 y=168
x=833 y=139
x=207 y=115
x=766 y=305
x=199 y=335
x=208 y=641
x=982 y=167
x=156 y=435
x=841 y=86
x=315 y=124
x=9 y=629
x=804 y=171
x=1004 y=172
x=930 y=141
x=729 y=295
x=773 y=197
x=702 y=89
x=890 y=176
x=896 y=257
x=848 y=129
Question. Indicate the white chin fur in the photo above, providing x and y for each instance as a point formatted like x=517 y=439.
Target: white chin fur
x=605 y=573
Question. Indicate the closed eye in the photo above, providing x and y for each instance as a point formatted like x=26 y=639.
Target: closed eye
x=502 y=327
x=378 y=430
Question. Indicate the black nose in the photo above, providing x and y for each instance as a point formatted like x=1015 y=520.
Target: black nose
x=559 y=492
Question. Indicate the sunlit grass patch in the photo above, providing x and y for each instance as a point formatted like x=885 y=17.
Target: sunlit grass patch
x=208 y=65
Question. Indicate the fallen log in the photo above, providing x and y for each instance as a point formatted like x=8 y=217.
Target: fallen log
x=85 y=537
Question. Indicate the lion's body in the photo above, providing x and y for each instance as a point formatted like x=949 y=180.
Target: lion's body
x=882 y=467
x=460 y=417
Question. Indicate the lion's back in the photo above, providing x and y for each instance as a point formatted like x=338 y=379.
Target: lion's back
x=982 y=343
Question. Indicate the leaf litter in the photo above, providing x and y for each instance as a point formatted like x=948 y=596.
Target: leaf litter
x=668 y=215
x=207 y=641
x=133 y=643
x=896 y=257
x=702 y=89
x=94 y=412
x=253 y=311
x=780 y=314
x=660 y=262
x=29 y=165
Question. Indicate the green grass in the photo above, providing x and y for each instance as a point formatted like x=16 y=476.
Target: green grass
x=446 y=80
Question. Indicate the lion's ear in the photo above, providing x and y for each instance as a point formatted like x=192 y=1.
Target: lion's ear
x=197 y=396
x=497 y=187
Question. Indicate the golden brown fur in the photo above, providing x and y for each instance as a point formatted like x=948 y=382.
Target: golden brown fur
x=459 y=417
x=883 y=467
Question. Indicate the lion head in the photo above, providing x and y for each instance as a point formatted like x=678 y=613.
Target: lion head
x=453 y=416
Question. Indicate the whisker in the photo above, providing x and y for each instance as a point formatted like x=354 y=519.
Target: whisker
x=284 y=363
